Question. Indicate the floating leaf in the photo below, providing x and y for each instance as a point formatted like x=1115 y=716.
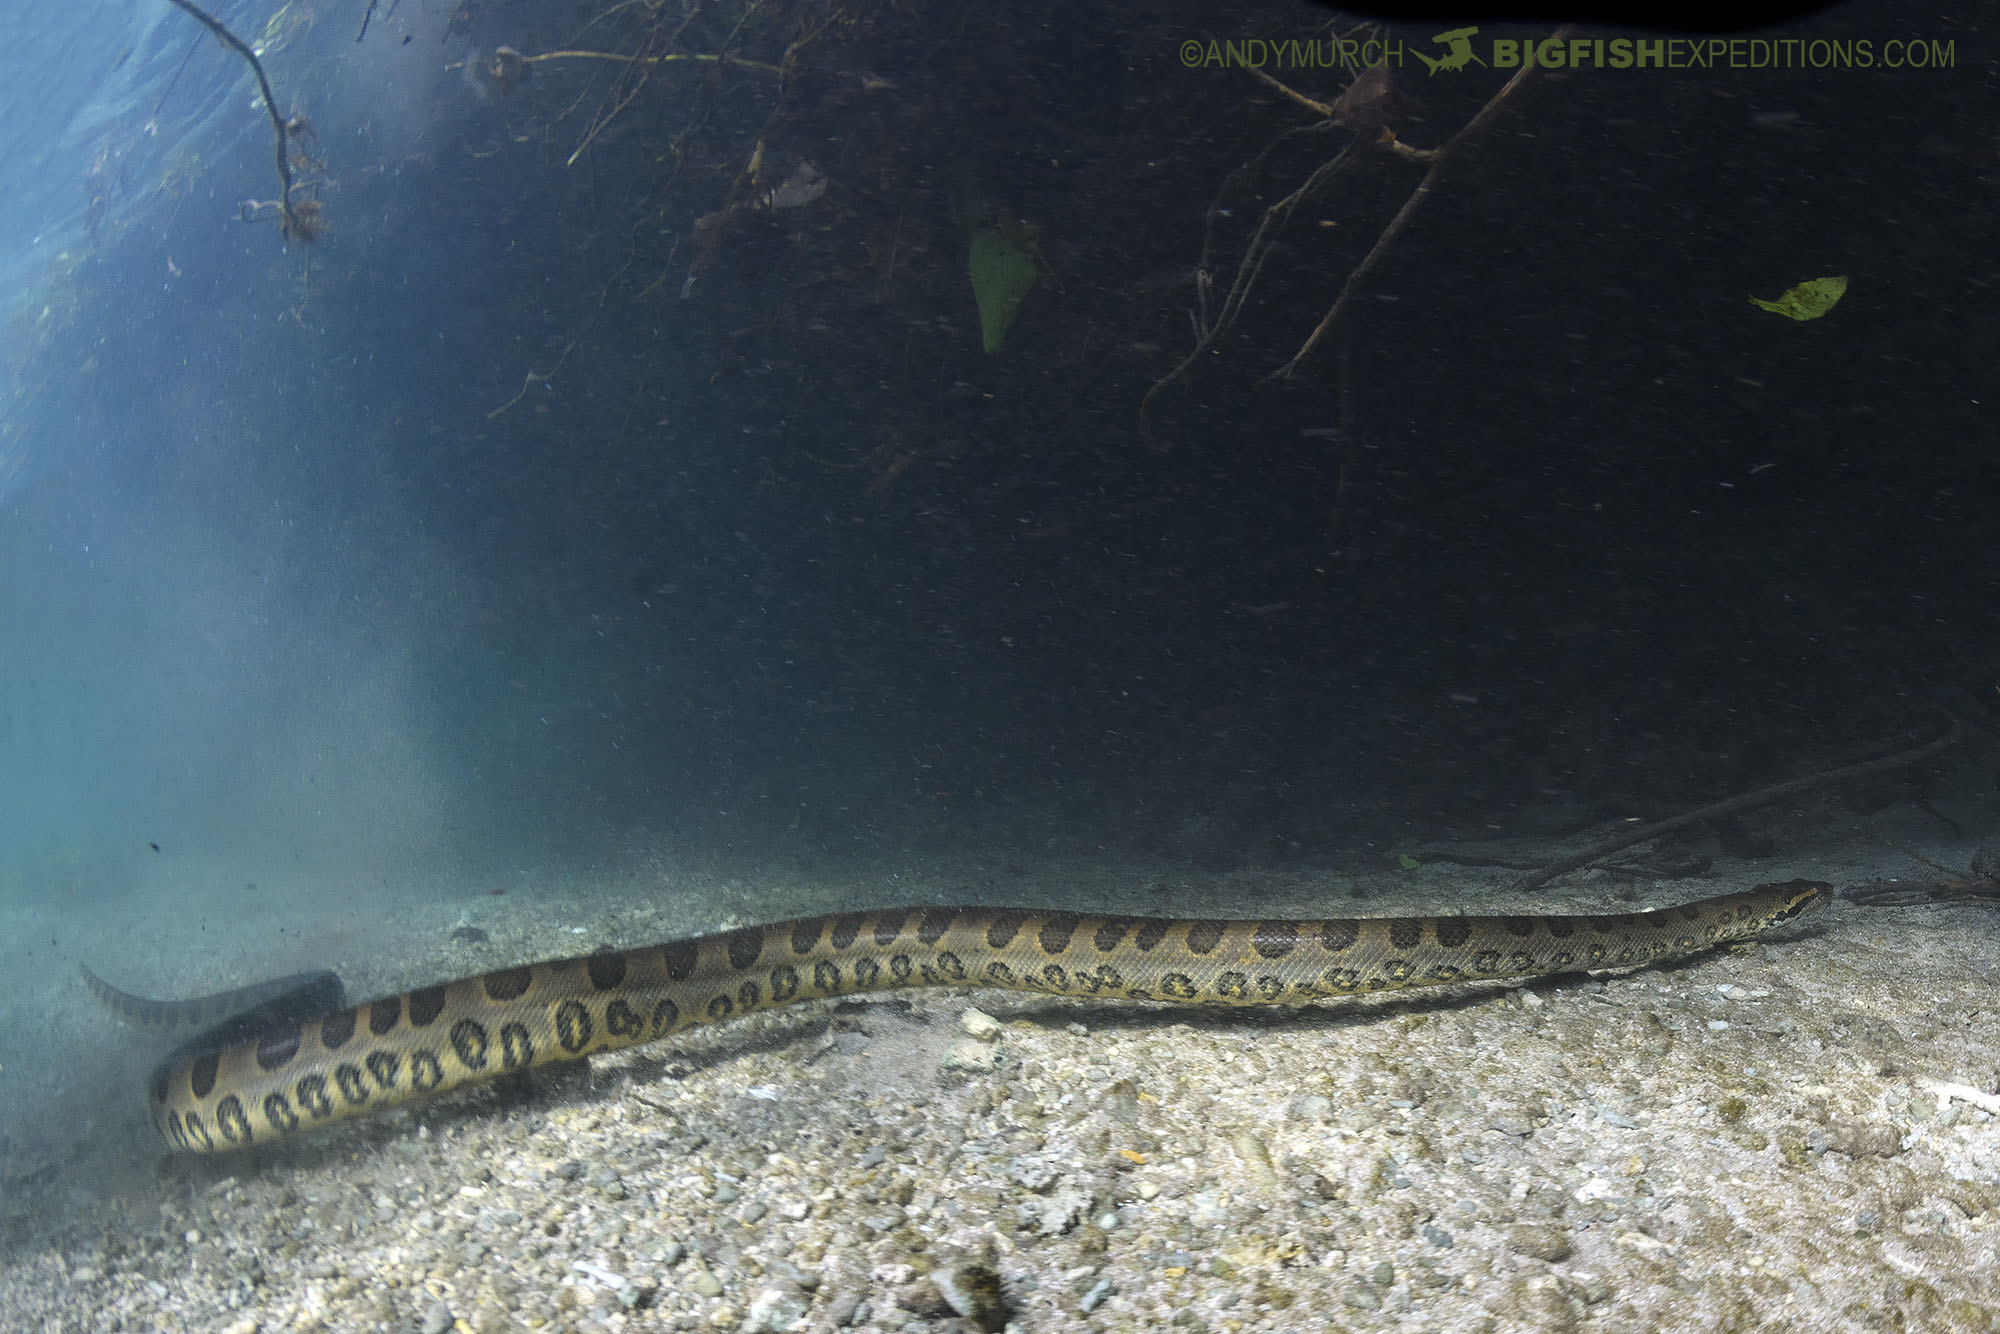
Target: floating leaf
x=1003 y=271
x=1807 y=301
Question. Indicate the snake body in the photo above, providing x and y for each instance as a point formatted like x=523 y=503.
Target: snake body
x=298 y=1074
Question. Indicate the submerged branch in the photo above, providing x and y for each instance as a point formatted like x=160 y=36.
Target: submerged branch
x=1763 y=796
x=299 y=220
x=1437 y=159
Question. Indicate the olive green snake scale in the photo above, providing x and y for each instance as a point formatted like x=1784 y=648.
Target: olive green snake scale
x=282 y=1064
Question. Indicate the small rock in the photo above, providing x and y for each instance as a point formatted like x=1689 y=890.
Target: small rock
x=1539 y=1241
x=979 y=1025
x=1863 y=1141
x=777 y=1309
x=705 y=1284
x=1032 y=1172
x=1147 y=1190
x=1313 y=1107
x=806 y=1280
x=437 y=1318
x=1058 y=1213
x=924 y=1298
x=970 y=1055
x=972 y=1291
x=846 y=1309
x=1256 y=1158
x=1093 y=1299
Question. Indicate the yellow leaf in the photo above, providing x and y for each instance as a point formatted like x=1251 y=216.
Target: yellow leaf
x=1807 y=301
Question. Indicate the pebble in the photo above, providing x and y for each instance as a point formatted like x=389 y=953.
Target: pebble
x=973 y=1291
x=980 y=1025
x=924 y=1298
x=1059 y=1212
x=1093 y=1299
x=1034 y=1173
x=705 y=1284
x=971 y=1054
x=1256 y=1158
x=1313 y=1107
x=1539 y=1241
x=437 y=1318
x=777 y=1309
x=791 y=1273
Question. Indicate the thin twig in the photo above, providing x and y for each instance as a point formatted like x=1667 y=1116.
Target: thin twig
x=1746 y=801
x=701 y=57
x=1402 y=218
x=1293 y=93
x=1209 y=331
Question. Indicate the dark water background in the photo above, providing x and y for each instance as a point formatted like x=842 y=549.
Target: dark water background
x=477 y=536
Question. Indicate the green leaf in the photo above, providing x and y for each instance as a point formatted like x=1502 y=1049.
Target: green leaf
x=1003 y=271
x=1407 y=862
x=1807 y=301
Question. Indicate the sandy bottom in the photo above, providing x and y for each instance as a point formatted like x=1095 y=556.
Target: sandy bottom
x=1794 y=1135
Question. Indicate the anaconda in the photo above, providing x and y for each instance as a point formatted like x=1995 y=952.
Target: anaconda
x=302 y=1073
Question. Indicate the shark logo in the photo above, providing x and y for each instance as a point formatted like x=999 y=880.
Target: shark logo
x=1458 y=51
